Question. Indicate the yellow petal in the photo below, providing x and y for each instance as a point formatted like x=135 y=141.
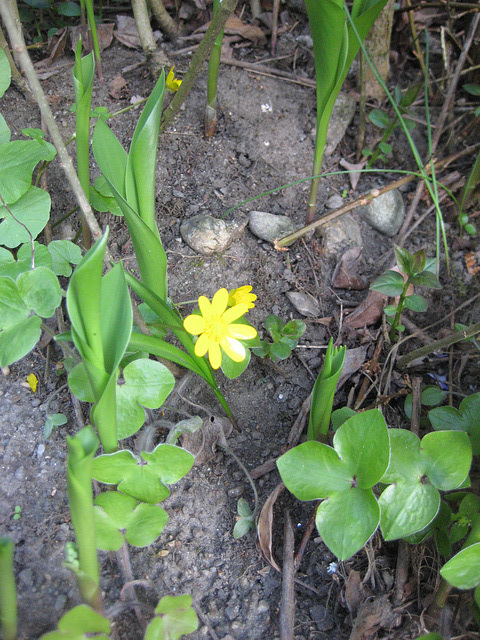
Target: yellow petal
x=32 y=381
x=214 y=354
x=241 y=331
x=234 y=349
x=194 y=324
x=234 y=313
x=220 y=301
x=205 y=307
x=202 y=345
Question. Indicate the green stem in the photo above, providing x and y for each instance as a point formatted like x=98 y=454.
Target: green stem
x=398 y=314
x=8 y=597
x=320 y=142
x=93 y=30
x=212 y=81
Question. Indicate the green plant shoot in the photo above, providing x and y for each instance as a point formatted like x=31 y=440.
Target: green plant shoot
x=101 y=315
x=81 y=450
x=285 y=338
x=335 y=47
x=88 y=4
x=131 y=179
x=83 y=72
x=81 y=623
x=8 y=597
x=212 y=81
x=416 y=271
x=324 y=391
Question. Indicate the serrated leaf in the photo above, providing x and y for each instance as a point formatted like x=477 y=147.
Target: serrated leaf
x=32 y=210
x=391 y=283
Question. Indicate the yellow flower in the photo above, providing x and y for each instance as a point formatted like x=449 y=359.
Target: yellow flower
x=172 y=83
x=240 y=296
x=215 y=329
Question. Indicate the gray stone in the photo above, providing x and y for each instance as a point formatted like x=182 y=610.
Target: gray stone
x=342 y=115
x=304 y=303
x=334 y=202
x=385 y=213
x=321 y=617
x=207 y=235
x=341 y=234
x=269 y=227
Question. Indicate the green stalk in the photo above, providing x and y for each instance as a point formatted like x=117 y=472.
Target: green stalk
x=8 y=597
x=93 y=31
x=83 y=72
x=81 y=449
x=212 y=81
x=398 y=314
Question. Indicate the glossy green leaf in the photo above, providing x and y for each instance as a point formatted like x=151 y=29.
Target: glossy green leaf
x=432 y=396
x=472 y=89
x=449 y=456
x=407 y=508
x=280 y=350
x=339 y=416
x=18 y=159
x=463 y=570
x=345 y=536
x=465 y=418
x=83 y=619
x=391 y=283
x=40 y=291
x=148 y=383
x=64 y=253
x=233 y=369
x=144 y=482
x=174 y=617
x=118 y=515
x=32 y=210
x=83 y=72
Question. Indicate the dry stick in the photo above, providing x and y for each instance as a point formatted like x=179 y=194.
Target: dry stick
x=464 y=334
x=440 y=123
x=266 y=71
x=287 y=603
x=17 y=78
x=366 y=198
x=166 y=22
x=18 y=43
x=196 y=65
x=149 y=46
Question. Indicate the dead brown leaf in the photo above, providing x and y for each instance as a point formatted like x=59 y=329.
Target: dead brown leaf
x=371 y=617
x=104 y=32
x=234 y=26
x=127 y=33
x=346 y=275
x=367 y=313
x=354 y=591
x=354 y=170
x=265 y=526
x=116 y=85
x=203 y=443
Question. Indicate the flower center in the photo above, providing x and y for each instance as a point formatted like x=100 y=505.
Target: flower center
x=215 y=328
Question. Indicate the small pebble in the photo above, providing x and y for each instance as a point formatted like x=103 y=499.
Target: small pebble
x=236 y=492
x=40 y=450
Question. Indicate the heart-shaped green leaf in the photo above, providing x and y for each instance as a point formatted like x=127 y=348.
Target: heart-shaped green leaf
x=18 y=159
x=118 y=515
x=407 y=508
x=463 y=570
x=32 y=210
x=9 y=266
x=465 y=418
x=64 y=253
x=40 y=291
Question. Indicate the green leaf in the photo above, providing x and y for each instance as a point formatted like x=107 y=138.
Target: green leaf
x=53 y=420
x=280 y=350
x=426 y=279
x=242 y=527
x=463 y=570
x=83 y=619
x=69 y=9
x=13 y=268
x=472 y=89
x=63 y=254
x=18 y=339
x=379 y=118
x=339 y=416
x=32 y=210
x=12 y=306
x=18 y=159
x=407 y=508
x=144 y=482
x=449 y=456
x=243 y=508
x=40 y=291
x=390 y=284
x=148 y=383
x=390 y=311
x=385 y=147
x=465 y=418
x=174 y=617
x=79 y=383
x=5 y=133
x=416 y=303
x=5 y=73
x=363 y=519
x=432 y=396
x=324 y=391
x=233 y=369
x=404 y=259
x=294 y=328
x=274 y=326
x=140 y=523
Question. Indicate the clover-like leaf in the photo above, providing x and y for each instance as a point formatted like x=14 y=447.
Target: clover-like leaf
x=118 y=516
x=174 y=617
x=64 y=253
x=417 y=470
x=465 y=418
x=144 y=479
x=344 y=475
x=148 y=383
x=40 y=291
x=13 y=267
